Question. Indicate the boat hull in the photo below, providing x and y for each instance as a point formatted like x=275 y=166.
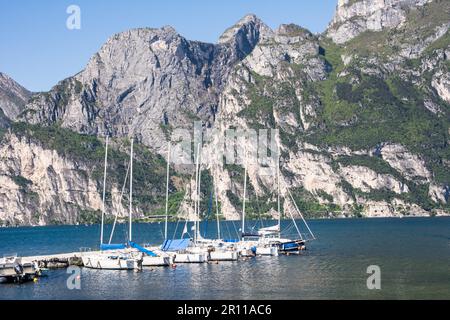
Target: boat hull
x=191 y=258
x=246 y=253
x=292 y=246
x=148 y=261
x=223 y=255
x=267 y=251
x=108 y=263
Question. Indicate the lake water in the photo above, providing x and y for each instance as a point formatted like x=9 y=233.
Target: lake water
x=412 y=253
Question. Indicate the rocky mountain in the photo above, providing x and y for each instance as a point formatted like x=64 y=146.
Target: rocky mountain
x=355 y=17
x=13 y=98
x=363 y=112
x=146 y=82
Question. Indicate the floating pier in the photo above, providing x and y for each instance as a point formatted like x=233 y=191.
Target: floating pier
x=56 y=261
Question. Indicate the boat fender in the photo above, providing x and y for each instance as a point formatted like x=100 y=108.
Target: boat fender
x=18 y=268
x=253 y=249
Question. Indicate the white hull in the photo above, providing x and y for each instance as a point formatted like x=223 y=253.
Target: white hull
x=246 y=248
x=109 y=263
x=148 y=261
x=246 y=253
x=267 y=251
x=191 y=258
x=223 y=255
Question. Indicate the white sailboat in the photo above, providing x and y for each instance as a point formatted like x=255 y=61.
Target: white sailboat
x=250 y=244
x=161 y=258
x=271 y=236
x=184 y=250
x=114 y=257
x=213 y=249
x=222 y=251
x=218 y=249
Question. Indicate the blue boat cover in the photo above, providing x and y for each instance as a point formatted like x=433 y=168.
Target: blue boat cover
x=142 y=249
x=112 y=246
x=175 y=244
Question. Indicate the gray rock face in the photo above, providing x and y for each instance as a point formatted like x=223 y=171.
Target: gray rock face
x=146 y=82
x=13 y=97
x=35 y=185
x=441 y=82
x=354 y=17
x=245 y=35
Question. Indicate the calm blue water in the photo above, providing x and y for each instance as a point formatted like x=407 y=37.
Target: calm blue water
x=413 y=254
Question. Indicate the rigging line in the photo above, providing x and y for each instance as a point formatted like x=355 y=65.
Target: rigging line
x=296 y=227
x=228 y=229
x=161 y=232
x=288 y=229
x=208 y=214
x=235 y=229
x=121 y=198
x=301 y=215
x=259 y=210
x=176 y=229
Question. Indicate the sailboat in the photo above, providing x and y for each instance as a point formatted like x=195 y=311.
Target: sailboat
x=271 y=236
x=213 y=249
x=218 y=249
x=250 y=244
x=184 y=250
x=114 y=256
x=161 y=258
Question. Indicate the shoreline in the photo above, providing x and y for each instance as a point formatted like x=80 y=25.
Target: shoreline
x=239 y=221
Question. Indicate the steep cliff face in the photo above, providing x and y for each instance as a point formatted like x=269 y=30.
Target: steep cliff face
x=13 y=97
x=354 y=17
x=53 y=175
x=38 y=186
x=363 y=113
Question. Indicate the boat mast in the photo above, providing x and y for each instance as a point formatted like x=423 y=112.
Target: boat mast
x=167 y=192
x=197 y=229
x=196 y=189
x=245 y=193
x=104 y=192
x=131 y=191
x=278 y=190
x=217 y=214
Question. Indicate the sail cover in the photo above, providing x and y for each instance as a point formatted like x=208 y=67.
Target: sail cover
x=142 y=249
x=269 y=230
x=175 y=244
x=105 y=247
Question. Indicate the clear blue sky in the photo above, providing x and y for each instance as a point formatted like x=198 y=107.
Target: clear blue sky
x=37 y=49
